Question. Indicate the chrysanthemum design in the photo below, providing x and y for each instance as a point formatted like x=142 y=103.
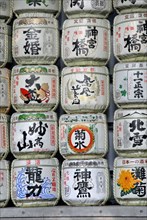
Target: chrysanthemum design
x=127 y=182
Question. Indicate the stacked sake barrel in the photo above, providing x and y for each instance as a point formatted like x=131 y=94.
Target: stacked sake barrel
x=5 y=60
x=130 y=96
x=34 y=95
x=83 y=135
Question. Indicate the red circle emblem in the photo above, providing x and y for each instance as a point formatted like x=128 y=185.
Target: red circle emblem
x=80 y=139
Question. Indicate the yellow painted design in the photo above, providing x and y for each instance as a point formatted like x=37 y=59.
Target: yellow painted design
x=127 y=181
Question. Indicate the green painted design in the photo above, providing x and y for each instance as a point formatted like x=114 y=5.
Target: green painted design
x=123 y=92
x=24 y=117
x=123 y=193
x=91 y=127
x=69 y=129
x=96 y=130
x=38 y=69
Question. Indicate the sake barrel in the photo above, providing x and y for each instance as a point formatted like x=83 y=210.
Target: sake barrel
x=129 y=37
x=130 y=85
x=129 y=181
x=4 y=183
x=85 y=41
x=6 y=10
x=48 y=8
x=80 y=136
x=34 y=135
x=5 y=95
x=130 y=132
x=90 y=8
x=130 y=6
x=85 y=89
x=85 y=182
x=35 y=40
x=35 y=182
x=5 y=44
x=34 y=87
x=4 y=135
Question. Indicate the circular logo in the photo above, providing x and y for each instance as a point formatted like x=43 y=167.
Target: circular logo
x=80 y=139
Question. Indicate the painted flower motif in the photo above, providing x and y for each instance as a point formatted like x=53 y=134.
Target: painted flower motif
x=127 y=181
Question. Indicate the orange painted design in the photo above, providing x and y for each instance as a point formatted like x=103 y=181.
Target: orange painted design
x=90 y=143
x=127 y=181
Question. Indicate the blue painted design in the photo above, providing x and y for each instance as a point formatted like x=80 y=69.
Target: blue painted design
x=21 y=186
x=46 y=188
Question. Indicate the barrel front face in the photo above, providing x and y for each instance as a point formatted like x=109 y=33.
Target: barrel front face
x=35 y=182
x=127 y=6
x=85 y=182
x=130 y=85
x=80 y=136
x=6 y=10
x=4 y=183
x=34 y=135
x=130 y=37
x=47 y=7
x=35 y=88
x=132 y=192
x=4 y=135
x=85 y=41
x=85 y=89
x=130 y=132
x=5 y=94
x=5 y=44
x=90 y=8
x=35 y=40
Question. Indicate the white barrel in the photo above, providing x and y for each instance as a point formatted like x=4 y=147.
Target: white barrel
x=35 y=182
x=85 y=41
x=80 y=136
x=129 y=181
x=85 y=182
x=5 y=95
x=130 y=6
x=129 y=38
x=33 y=135
x=5 y=44
x=85 y=89
x=4 y=183
x=130 y=132
x=130 y=85
x=6 y=10
x=48 y=8
x=35 y=40
x=90 y=8
x=35 y=88
x=4 y=136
